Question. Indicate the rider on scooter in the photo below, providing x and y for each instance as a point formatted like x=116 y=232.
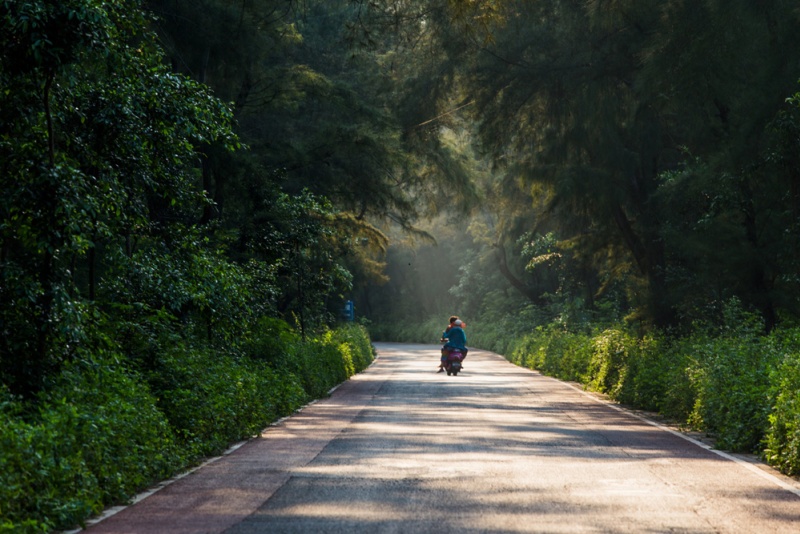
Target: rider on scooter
x=455 y=338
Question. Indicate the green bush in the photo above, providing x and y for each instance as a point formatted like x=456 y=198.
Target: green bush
x=212 y=400
x=44 y=482
x=275 y=342
x=651 y=372
x=332 y=357
x=503 y=333
x=782 y=440
x=356 y=339
x=102 y=432
x=732 y=381
x=554 y=351
x=642 y=372
x=613 y=350
x=317 y=363
x=96 y=439
x=732 y=378
x=496 y=335
x=527 y=350
x=323 y=365
x=568 y=356
x=715 y=381
x=673 y=367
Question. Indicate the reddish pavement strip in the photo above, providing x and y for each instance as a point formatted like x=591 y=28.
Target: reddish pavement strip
x=225 y=491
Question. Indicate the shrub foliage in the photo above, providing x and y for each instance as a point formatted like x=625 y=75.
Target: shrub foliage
x=104 y=430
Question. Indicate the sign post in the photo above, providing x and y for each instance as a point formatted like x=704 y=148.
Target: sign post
x=349 y=311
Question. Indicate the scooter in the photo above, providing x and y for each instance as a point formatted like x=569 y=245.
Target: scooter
x=452 y=364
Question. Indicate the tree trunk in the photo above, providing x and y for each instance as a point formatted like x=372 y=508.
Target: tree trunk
x=518 y=284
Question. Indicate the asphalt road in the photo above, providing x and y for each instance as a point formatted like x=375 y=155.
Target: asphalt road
x=400 y=448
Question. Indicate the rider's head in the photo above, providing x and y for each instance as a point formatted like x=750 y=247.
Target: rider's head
x=453 y=319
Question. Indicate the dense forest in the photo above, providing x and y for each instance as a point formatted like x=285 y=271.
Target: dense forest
x=608 y=191
x=637 y=156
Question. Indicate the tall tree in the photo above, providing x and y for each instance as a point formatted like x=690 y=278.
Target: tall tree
x=96 y=137
x=313 y=108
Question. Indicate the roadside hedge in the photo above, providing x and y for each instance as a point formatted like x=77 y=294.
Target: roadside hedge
x=96 y=438
x=739 y=386
x=106 y=430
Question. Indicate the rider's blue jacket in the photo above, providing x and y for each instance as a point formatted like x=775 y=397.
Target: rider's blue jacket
x=456 y=337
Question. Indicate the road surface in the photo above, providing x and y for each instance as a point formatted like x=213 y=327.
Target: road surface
x=400 y=448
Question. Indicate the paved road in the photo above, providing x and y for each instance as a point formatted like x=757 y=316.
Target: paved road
x=401 y=448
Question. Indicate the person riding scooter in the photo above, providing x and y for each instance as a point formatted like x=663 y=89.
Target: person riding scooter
x=454 y=338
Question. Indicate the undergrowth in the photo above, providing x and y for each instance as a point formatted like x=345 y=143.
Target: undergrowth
x=108 y=427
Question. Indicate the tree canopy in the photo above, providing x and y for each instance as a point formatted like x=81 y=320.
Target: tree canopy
x=625 y=155
x=642 y=135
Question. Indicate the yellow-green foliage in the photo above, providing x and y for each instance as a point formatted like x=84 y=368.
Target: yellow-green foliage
x=331 y=357
x=611 y=352
x=357 y=340
x=718 y=384
x=731 y=377
x=782 y=442
x=734 y=382
x=554 y=351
